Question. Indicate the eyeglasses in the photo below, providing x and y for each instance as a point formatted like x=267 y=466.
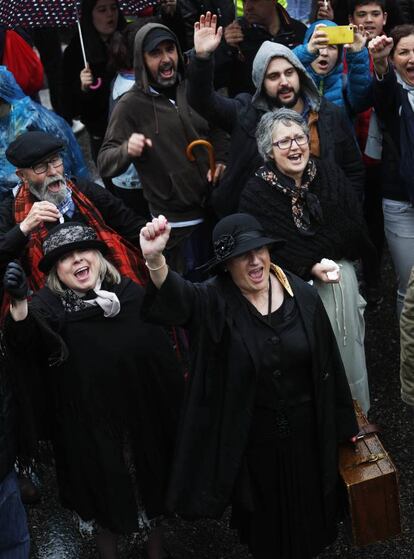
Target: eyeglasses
x=43 y=166
x=286 y=143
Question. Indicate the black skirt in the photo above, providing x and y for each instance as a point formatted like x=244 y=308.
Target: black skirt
x=283 y=516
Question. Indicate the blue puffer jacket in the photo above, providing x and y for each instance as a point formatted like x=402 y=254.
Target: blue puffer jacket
x=352 y=90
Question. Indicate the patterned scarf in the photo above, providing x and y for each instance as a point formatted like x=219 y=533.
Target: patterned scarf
x=73 y=301
x=67 y=206
x=305 y=204
x=123 y=255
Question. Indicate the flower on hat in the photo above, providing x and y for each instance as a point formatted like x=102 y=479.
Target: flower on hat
x=224 y=246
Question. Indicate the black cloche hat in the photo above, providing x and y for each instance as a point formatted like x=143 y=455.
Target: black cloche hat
x=68 y=237
x=236 y=234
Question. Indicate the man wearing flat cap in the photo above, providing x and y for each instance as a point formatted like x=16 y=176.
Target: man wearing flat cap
x=151 y=127
x=46 y=197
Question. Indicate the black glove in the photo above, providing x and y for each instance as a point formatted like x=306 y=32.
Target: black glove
x=15 y=281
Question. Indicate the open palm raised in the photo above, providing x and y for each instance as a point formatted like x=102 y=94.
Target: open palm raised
x=206 y=35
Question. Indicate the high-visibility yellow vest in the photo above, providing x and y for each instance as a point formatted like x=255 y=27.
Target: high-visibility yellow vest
x=240 y=6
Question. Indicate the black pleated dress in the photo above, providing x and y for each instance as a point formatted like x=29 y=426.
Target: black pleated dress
x=278 y=505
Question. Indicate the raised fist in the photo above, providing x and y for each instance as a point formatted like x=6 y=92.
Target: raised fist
x=15 y=281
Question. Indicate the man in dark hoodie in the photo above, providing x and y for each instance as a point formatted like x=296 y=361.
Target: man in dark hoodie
x=280 y=81
x=151 y=127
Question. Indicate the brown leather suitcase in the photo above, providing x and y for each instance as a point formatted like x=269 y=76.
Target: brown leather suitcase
x=371 y=483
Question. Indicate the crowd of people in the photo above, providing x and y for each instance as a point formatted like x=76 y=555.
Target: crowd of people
x=184 y=332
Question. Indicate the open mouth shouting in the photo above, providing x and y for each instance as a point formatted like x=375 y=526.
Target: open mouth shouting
x=167 y=71
x=295 y=158
x=322 y=64
x=410 y=73
x=55 y=185
x=256 y=275
x=82 y=274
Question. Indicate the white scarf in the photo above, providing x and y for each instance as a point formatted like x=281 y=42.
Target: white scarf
x=408 y=88
x=107 y=300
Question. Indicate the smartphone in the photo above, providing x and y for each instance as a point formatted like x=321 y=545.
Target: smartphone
x=339 y=35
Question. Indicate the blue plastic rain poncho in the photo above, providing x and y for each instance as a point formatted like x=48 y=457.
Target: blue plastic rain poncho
x=25 y=115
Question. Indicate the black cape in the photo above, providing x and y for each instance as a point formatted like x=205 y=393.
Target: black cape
x=220 y=397
x=119 y=389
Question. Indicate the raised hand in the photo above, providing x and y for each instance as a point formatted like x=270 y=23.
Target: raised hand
x=206 y=35
x=15 y=282
x=380 y=48
x=154 y=237
x=319 y=39
x=361 y=37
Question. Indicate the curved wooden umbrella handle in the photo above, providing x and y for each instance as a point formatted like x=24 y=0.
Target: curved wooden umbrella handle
x=210 y=149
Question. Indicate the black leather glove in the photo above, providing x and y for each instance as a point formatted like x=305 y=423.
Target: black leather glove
x=15 y=281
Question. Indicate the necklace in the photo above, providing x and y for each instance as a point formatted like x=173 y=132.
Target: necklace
x=269 y=303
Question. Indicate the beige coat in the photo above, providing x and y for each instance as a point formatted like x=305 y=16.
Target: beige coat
x=407 y=344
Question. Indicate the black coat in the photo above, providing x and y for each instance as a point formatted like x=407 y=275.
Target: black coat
x=221 y=392
x=120 y=378
x=90 y=107
x=341 y=235
x=407 y=10
x=239 y=117
x=191 y=10
x=387 y=102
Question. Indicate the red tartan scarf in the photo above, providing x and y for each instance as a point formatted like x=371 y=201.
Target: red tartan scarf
x=123 y=255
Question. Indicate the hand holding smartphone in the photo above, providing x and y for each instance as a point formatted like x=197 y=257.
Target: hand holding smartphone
x=340 y=34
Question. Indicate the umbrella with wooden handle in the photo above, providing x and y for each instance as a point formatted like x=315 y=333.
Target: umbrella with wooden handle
x=210 y=149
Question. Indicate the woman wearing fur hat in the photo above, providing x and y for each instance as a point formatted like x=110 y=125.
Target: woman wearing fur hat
x=268 y=399
x=113 y=381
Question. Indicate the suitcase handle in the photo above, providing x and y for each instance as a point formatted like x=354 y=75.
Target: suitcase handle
x=368 y=429
x=370 y=459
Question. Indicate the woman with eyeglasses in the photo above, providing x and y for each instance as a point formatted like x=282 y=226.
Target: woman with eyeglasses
x=310 y=203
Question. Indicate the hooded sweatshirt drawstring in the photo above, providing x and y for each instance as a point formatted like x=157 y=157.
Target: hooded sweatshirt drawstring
x=154 y=108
